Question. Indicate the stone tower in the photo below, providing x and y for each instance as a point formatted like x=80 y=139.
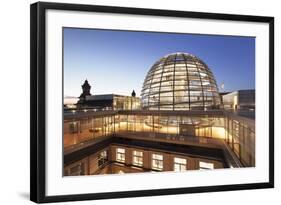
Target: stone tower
x=133 y=93
x=86 y=88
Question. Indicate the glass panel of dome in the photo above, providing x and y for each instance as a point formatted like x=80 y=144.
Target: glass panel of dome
x=166 y=94
x=193 y=75
x=180 y=79
x=185 y=107
x=195 y=93
x=208 y=93
x=168 y=73
x=169 y=63
x=153 y=103
x=158 y=71
x=166 y=107
x=165 y=88
x=168 y=70
x=180 y=65
x=149 y=76
x=157 y=75
x=145 y=93
x=179 y=87
x=205 y=81
x=195 y=82
x=192 y=99
x=196 y=104
x=166 y=100
x=202 y=74
x=154 y=91
x=194 y=88
x=153 y=96
x=191 y=66
x=156 y=80
x=179 y=58
x=167 y=83
x=180 y=91
x=184 y=99
x=155 y=85
x=180 y=73
x=147 y=84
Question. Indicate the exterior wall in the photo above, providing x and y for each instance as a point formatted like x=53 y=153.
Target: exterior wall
x=246 y=99
x=112 y=166
x=229 y=100
x=80 y=167
x=93 y=161
x=126 y=103
x=241 y=99
x=110 y=102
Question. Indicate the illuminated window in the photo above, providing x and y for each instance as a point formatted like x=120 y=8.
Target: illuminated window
x=137 y=158
x=102 y=158
x=157 y=161
x=179 y=164
x=121 y=172
x=73 y=127
x=206 y=165
x=120 y=155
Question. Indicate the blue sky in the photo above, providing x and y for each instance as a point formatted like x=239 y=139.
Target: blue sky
x=117 y=61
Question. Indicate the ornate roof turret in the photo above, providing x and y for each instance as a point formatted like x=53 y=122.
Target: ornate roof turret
x=133 y=93
x=86 y=88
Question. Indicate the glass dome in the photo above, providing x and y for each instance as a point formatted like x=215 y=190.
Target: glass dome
x=180 y=81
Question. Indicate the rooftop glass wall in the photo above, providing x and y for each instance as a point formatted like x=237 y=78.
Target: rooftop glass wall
x=238 y=134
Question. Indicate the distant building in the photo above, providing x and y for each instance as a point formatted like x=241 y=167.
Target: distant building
x=221 y=96
x=111 y=102
x=107 y=101
x=239 y=100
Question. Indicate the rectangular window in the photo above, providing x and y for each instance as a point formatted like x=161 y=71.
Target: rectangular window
x=120 y=155
x=206 y=165
x=73 y=127
x=77 y=169
x=157 y=161
x=137 y=158
x=179 y=164
x=102 y=158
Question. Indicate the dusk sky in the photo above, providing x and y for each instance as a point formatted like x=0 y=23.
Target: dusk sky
x=118 y=61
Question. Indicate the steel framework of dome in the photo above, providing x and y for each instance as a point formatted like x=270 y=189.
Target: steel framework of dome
x=180 y=81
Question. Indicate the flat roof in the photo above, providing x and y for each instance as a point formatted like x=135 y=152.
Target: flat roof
x=183 y=113
x=105 y=97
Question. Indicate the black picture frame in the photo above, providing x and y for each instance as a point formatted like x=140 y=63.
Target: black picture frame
x=38 y=100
